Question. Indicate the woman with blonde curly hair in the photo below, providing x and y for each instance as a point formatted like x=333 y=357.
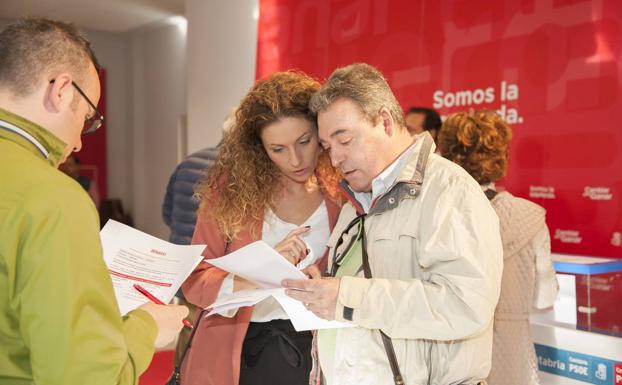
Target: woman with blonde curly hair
x=478 y=141
x=271 y=182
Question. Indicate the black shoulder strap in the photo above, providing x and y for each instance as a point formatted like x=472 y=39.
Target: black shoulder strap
x=418 y=175
x=386 y=340
x=490 y=194
x=417 y=180
x=175 y=378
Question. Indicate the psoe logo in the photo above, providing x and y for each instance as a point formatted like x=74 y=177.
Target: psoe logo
x=543 y=192
x=568 y=236
x=578 y=366
x=616 y=239
x=601 y=372
x=597 y=193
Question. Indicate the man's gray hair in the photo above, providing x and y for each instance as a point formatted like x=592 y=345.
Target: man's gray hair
x=364 y=85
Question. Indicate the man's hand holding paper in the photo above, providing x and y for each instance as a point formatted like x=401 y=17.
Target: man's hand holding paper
x=318 y=295
x=264 y=266
x=135 y=257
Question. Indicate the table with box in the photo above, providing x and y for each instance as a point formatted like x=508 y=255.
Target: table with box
x=579 y=341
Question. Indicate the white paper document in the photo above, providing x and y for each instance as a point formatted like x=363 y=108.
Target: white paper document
x=133 y=257
x=261 y=264
x=258 y=263
x=241 y=298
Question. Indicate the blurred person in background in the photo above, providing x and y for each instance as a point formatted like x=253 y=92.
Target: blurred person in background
x=179 y=209
x=478 y=141
x=72 y=168
x=420 y=119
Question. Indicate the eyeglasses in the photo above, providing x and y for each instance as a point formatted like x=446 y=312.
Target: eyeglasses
x=96 y=120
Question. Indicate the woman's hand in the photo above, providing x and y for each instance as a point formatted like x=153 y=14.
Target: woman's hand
x=312 y=271
x=292 y=247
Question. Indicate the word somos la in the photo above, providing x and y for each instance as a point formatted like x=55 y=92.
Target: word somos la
x=478 y=96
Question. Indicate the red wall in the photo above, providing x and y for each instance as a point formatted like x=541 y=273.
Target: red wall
x=559 y=60
x=93 y=153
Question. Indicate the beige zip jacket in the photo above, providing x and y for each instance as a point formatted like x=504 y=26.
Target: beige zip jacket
x=436 y=259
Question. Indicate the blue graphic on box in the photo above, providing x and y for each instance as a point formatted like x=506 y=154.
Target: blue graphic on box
x=590 y=369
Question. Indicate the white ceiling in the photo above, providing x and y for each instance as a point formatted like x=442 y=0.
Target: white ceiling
x=100 y=15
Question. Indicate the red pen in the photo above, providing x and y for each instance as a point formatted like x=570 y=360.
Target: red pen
x=153 y=299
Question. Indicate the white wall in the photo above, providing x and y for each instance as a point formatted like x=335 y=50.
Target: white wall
x=112 y=53
x=158 y=90
x=222 y=45
x=146 y=96
x=151 y=73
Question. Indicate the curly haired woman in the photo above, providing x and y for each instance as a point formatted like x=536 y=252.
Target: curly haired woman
x=271 y=182
x=478 y=141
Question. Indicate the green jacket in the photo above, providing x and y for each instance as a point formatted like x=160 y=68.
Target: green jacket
x=59 y=319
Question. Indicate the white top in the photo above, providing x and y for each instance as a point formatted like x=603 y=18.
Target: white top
x=273 y=231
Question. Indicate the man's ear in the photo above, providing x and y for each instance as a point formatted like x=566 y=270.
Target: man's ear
x=387 y=121
x=60 y=93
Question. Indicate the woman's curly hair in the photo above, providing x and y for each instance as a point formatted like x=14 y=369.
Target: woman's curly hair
x=243 y=181
x=477 y=141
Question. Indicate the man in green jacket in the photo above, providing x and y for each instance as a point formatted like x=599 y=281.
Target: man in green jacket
x=59 y=319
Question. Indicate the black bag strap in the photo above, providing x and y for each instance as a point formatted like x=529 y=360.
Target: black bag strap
x=194 y=330
x=490 y=194
x=176 y=376
x=417 y=178
x=386 y=340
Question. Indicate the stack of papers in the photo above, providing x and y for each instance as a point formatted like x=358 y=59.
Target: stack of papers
x=261 y=264
x=134 y=257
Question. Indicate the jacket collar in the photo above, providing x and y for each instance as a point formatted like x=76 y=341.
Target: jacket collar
x=408 y=183
x=382 y=183
x=32 y=137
